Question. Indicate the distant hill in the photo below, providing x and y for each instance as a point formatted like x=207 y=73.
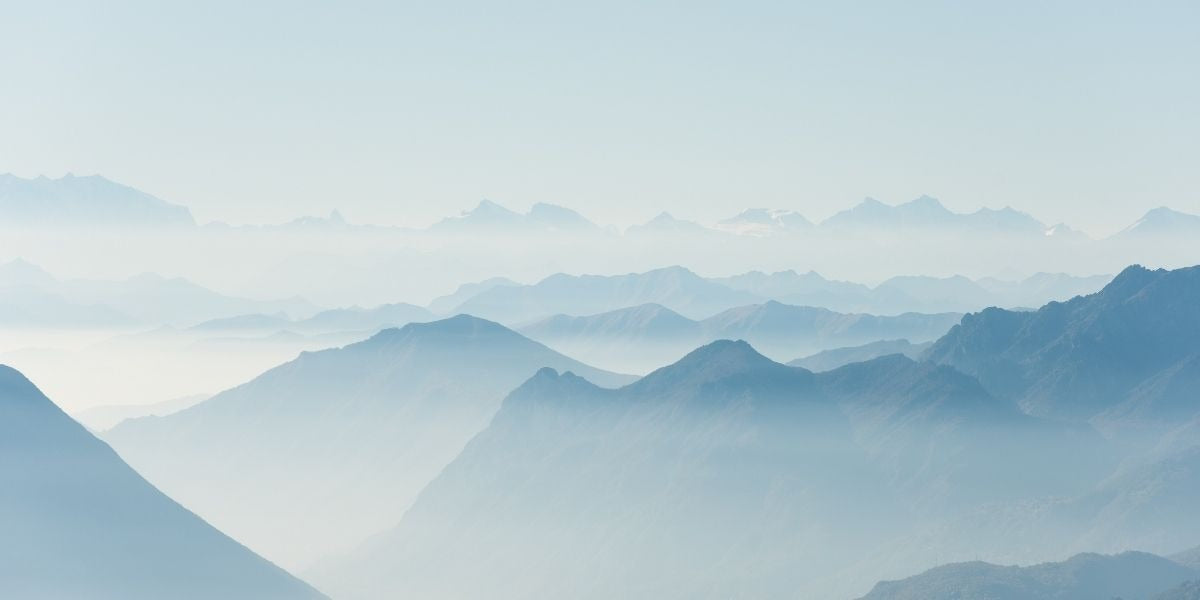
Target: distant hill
x=317 y=454
x=83 y=201
x=1132 y=575
x=1162 y=221
x=828 y=360
x=79 y=523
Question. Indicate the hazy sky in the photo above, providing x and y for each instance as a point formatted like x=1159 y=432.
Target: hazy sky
x=1084 y=112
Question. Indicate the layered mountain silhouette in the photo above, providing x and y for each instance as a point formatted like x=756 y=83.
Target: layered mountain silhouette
x=673 y=287
x=319 y=453
x=77 y=522
x=643 y=337
x=32 y=297
x=83 y=201
x=1131 y=575
x=1123 y=357
x=723 y=474
x=827 y=360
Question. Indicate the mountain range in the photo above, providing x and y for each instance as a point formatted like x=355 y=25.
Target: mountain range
x=724 y=473
x=94 y=200
x=319 y=453
x=641 y=338
x=77 y=522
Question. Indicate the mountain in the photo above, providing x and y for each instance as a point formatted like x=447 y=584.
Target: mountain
x=1122 y=356
x=634 y=339
x=443 y=305
x=355 y=318
x=317 y=454
x=492 y=219
x=1131 y=575
x=82 y=201
x=79 y=523
x=646 y=336
x=1189 y=558
x=802 y=289
x=913 y=293
x=724 y=474
x=782 y=331
x=827 y=360
x=99 y=418
x=764 y=222
x=1161 y=222
x=1185 y=591
x=666 y=224
x=673 y=287
x=32 y=297
x=927 y=214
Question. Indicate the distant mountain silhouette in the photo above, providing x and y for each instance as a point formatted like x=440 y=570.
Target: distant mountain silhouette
x=83 y=201
x=650 y=335
x=446 y=304
x=913 y=293
x=490 y=218
x=34 y=298
x=673 y=287
x=722 y=474
x=765 y=222
x=828 y=360
x=317 y=454
x=77 y=522
x=1124 y=354
x=1163 y=221
x=1132 y=575
x=928 y=214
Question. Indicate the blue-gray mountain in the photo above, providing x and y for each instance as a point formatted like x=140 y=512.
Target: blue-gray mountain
x=723 y=474
x=827 y=360
x=1130 y=576
x=83 y=201
x=77 y=522
x=1126 y=357
x=317 y=454
x=644 y=337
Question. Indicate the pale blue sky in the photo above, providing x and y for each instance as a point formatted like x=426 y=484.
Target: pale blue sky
x=1084 y=112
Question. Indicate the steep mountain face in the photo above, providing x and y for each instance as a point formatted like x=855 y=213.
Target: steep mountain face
x=645 y=337
x=723 y=474
x=83 y=201
x=77 y=522
x=827 y=360
x=1132 y=575
x=673 y=287
x=317 y=454
x=1130 y=349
